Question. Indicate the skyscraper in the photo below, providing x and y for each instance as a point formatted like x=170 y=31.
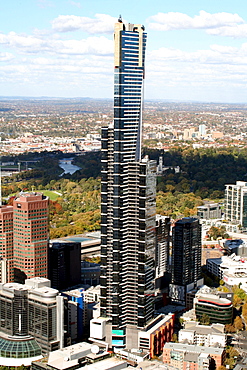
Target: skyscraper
x=64 y=264
x=30 y=236
x=186 y=257
x=127 y=198
x=236 y=204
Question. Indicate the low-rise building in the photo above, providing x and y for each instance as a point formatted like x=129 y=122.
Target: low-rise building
x=187 y=356
x=76 y=356
x=150 y=339
x=209 y=211
x=237 y=246
x=219 y=310
x=233 y=269
x=203 y=335
x=216 y=305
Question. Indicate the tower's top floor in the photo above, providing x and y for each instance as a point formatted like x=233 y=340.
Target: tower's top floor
x=134 y=39
x=30 y=197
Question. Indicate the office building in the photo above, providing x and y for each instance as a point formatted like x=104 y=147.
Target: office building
x=209 y=210
x=127 y=198
x=33 y=309
x=186 y=258
x=6 y=244
x=30 y=236
x=76 y=313
x=64 y=260
x=18 y=350
x=231 y=269
x=236 y=203
x=80 y=356
x=90 y=273
x=219 y=310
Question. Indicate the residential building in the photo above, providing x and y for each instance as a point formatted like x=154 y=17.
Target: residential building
x=162 y=245
x=30 y=236
x=64 y=264
x=236 y=203
x=6 y=244
x=33 y=309
x=203 y=335
x=128 y=186
x=188 y=356
x=186 y=258
x=155 y=334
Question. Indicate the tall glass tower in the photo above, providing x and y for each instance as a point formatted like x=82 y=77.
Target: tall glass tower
x=128 y=198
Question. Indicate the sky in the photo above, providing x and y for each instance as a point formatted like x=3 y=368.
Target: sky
x=196 y=49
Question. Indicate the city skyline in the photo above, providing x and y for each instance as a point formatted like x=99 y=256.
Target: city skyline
x=196 y=51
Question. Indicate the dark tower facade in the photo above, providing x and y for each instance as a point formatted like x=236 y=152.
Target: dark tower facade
x=186 y=257
x=64 y=264
x=127 y=197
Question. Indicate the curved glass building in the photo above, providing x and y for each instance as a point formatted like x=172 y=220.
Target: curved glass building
x=17 y=351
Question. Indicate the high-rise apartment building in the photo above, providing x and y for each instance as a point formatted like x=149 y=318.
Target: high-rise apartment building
x=186 y=258
x=162 y=245
x=30 y=236
x=236 y=203
x=128 y=198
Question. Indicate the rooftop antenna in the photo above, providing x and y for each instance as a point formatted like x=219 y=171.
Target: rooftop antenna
x=120 y=19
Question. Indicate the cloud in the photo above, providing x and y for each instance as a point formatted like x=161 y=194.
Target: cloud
x=102 y=23
x=44 y=4
x=237 y=31
x=74 y=3
x=175 y=20
x=217 y=55
x=4 y=57
x=220 y=68
x=33 y=45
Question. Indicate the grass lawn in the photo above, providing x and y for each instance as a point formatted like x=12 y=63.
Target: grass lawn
x=51 y=194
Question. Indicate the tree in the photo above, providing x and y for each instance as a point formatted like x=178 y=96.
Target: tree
x=174 y=338
x=204 y=319
x=217 y=232
x=230 y=328
x=237 y=301
x=238 y=323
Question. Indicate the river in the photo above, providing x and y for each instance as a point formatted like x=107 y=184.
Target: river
x=67 y=166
